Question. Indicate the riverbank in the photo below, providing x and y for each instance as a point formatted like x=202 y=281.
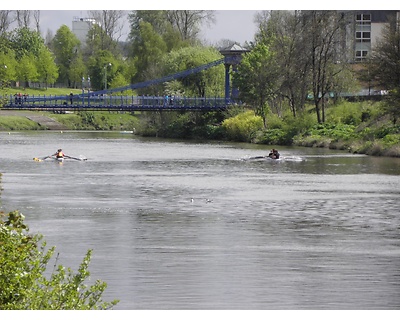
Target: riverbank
x=376 y=136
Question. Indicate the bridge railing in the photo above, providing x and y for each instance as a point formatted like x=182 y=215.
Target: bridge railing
x=102 y=101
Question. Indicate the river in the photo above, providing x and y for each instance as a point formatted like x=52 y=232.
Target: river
x=200 y=225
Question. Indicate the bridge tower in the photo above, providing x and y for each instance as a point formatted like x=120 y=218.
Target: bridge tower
x=232 y=56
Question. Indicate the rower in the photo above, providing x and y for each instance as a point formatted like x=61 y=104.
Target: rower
x=274 y=154
x=59 y=154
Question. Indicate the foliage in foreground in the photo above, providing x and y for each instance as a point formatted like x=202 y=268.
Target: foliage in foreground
x=23 y=285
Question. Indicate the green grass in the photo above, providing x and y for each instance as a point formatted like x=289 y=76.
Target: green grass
x=11 y=123
x=39 y=91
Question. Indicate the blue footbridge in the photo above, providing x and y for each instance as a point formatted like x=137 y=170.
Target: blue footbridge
x=104 y=100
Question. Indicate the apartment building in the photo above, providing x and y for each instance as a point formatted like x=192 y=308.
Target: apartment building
x=363 y=30
x=81 y=27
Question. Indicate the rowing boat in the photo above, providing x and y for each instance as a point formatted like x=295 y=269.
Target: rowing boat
x=264 y=158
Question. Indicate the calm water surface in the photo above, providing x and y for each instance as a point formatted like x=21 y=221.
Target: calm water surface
x=183 y=225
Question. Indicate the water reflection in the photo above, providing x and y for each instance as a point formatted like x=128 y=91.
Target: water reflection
x=320 y=233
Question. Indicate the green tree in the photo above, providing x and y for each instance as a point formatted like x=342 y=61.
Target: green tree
x=77 y=71
x=161 y=25
x=149 y=49
x=7 y=68
x=103 y=66
x=65 y=46
x=24 y=41
x=46 y=67
x=206 y=83
x=23 y=264
x=258 y=79
x=27 y=70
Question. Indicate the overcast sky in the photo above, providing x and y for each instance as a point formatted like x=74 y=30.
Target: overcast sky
x=236 y=25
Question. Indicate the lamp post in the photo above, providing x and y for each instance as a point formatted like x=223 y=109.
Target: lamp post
x=88 y=79
x=83 y=91
x=3 y=81
x=105 y=74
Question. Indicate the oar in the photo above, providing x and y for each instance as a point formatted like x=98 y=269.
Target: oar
x=38 y=159
x=80 y=159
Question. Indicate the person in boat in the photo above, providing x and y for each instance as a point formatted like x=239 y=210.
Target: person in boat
x=59 y=154
x=274 y=154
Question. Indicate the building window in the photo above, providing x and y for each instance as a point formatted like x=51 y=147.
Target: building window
x=361 y=55
x=362 y=18
x=363 y=36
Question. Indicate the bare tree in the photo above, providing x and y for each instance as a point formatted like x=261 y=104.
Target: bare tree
x=111 y=23
x=323 y=36
x=23 y=18
x=284 y=30
x=6 y=18
x=188 y=22
x=36 y=17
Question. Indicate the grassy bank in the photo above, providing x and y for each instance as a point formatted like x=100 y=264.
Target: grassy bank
x=17 y=121
x=39 y=91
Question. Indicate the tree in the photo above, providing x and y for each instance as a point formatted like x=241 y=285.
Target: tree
x=385 y=57
x=6 y=19
x=209 y=82
x=323 y=36
x=283 y=30
x=27 y=70
x=154 y=33
x=385 y=67
x=24 y=261
x=258 y=79
x=7 y=68
x=77 y=71
x=110 y=25
x=159 y=21
x=100 y=65
x=24 y=41
x=23 y=18
x=65 y=46
x=149 y=49
x=46 y=67
x=188 y=22
x=36 y=17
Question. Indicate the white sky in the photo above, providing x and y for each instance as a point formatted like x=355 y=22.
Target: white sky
x=236 y=25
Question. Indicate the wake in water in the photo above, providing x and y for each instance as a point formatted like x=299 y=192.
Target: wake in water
x=266 y=158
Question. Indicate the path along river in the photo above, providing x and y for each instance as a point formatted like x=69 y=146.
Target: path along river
x=186 y=225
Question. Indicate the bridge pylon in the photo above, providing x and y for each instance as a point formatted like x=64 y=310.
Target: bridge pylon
x=232 y=57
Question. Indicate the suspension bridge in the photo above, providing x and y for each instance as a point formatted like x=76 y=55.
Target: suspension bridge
x=104 y=100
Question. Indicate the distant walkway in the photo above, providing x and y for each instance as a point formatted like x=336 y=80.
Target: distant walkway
x=43 y=121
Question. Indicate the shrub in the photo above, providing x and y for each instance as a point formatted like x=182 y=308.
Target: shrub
x=243 y=127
